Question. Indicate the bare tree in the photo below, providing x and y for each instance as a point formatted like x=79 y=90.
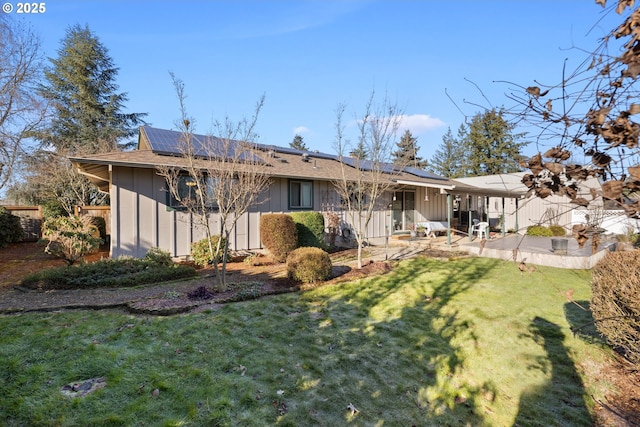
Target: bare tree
x=590 y=113
x=364 y=181
x=226 y=172
x=21 y=111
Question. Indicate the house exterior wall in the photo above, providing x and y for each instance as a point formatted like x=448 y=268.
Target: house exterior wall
x=141 y=218
x=532 y=211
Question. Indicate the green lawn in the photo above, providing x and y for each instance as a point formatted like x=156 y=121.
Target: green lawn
x=468 y=342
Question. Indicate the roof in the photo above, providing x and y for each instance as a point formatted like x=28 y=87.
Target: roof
x=511 y=183
x=159 y=147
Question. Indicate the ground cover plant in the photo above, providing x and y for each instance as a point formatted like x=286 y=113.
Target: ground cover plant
x=118 y=272
x=464 y=342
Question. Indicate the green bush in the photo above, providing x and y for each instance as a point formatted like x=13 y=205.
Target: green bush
x=52 y=209
x=615 y=301
x=10 y=227
x=159 y=256
x=310 y=228
x=200 y=251
x=308 y=265
x=71 y=237
x=101 y=224
x=557 y=230
x=120 y=272
x=279 y=235
x=539 y=230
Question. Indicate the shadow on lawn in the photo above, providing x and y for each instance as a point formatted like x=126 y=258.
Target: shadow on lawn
x=567 y=398
x=422 y=372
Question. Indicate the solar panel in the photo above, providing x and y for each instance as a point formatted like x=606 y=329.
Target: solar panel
x=423 y=173
x=169 y=142
x=368 y=165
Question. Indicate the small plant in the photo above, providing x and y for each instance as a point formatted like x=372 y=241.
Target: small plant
x=71 y=237
x=252 y=260
x=172 y=295
x=159 y=256
x=308 y=265
x=557 y=230
x=332 y=221
x=279 y=235
x=10 y=227
x=539 y=230
x=247 y=291
x=201 y=293
x=201 y=254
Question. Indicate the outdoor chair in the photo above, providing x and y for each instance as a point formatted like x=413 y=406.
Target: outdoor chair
x=480 y=228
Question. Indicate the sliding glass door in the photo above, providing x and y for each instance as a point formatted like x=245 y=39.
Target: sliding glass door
x=403 y=210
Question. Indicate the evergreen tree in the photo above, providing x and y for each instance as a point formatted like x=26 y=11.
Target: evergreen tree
x=360 y=152
x=298 y=143
x=407 y=152
x=87 y=118
x=491 y=146
x=448 y=159
x=81 y=85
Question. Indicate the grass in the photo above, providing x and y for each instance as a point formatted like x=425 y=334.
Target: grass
x=466 y=342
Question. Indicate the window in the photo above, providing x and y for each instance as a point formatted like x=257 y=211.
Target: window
x=300 y=195
x=187 y=190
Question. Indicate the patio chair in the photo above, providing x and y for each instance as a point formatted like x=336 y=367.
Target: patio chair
x=480 y=228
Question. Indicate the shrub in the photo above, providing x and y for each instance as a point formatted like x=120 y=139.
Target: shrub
x=539 y=230
x=279 y=235
x=101 y=224
x=71 y=237
x=159 y=256
x=615 y=301
x=10 y=227
x=310 y=228
x=52 y=209
x=200 y=251
x=557 y=230
x=308 y=265
x=120 y=272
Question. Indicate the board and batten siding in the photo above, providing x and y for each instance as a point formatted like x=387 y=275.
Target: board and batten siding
x=141 y=219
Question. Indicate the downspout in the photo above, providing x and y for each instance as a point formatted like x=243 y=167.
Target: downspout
x=448 y=219
x=517 y=226
x=504 y=227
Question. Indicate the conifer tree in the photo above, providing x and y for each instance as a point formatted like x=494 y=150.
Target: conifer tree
x=86 y=118
x=448 y=159
x=81 y=85
x=407 y=152
x=491 y=146
x=360 y=151
x=298 y=143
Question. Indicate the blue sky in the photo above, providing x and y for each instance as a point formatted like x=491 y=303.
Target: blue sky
x=308 y=56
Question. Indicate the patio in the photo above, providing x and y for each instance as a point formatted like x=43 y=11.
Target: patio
x=536 y=250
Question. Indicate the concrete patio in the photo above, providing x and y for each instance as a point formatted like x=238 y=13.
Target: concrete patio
x=513 y=247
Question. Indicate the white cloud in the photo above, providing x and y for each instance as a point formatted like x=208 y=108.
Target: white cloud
x=418 y=123
x=301 y=130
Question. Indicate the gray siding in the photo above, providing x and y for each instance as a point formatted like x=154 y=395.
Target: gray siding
x=141 y=219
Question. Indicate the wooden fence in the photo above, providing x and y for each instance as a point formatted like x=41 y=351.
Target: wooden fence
x=30 y=219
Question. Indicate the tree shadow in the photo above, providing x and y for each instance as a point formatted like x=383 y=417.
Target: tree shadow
x=564 y=384
x=580 y=318
x=427 y=332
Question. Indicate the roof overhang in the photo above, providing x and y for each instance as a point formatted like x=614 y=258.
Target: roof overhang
x=426 y=184
x=98 y=174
